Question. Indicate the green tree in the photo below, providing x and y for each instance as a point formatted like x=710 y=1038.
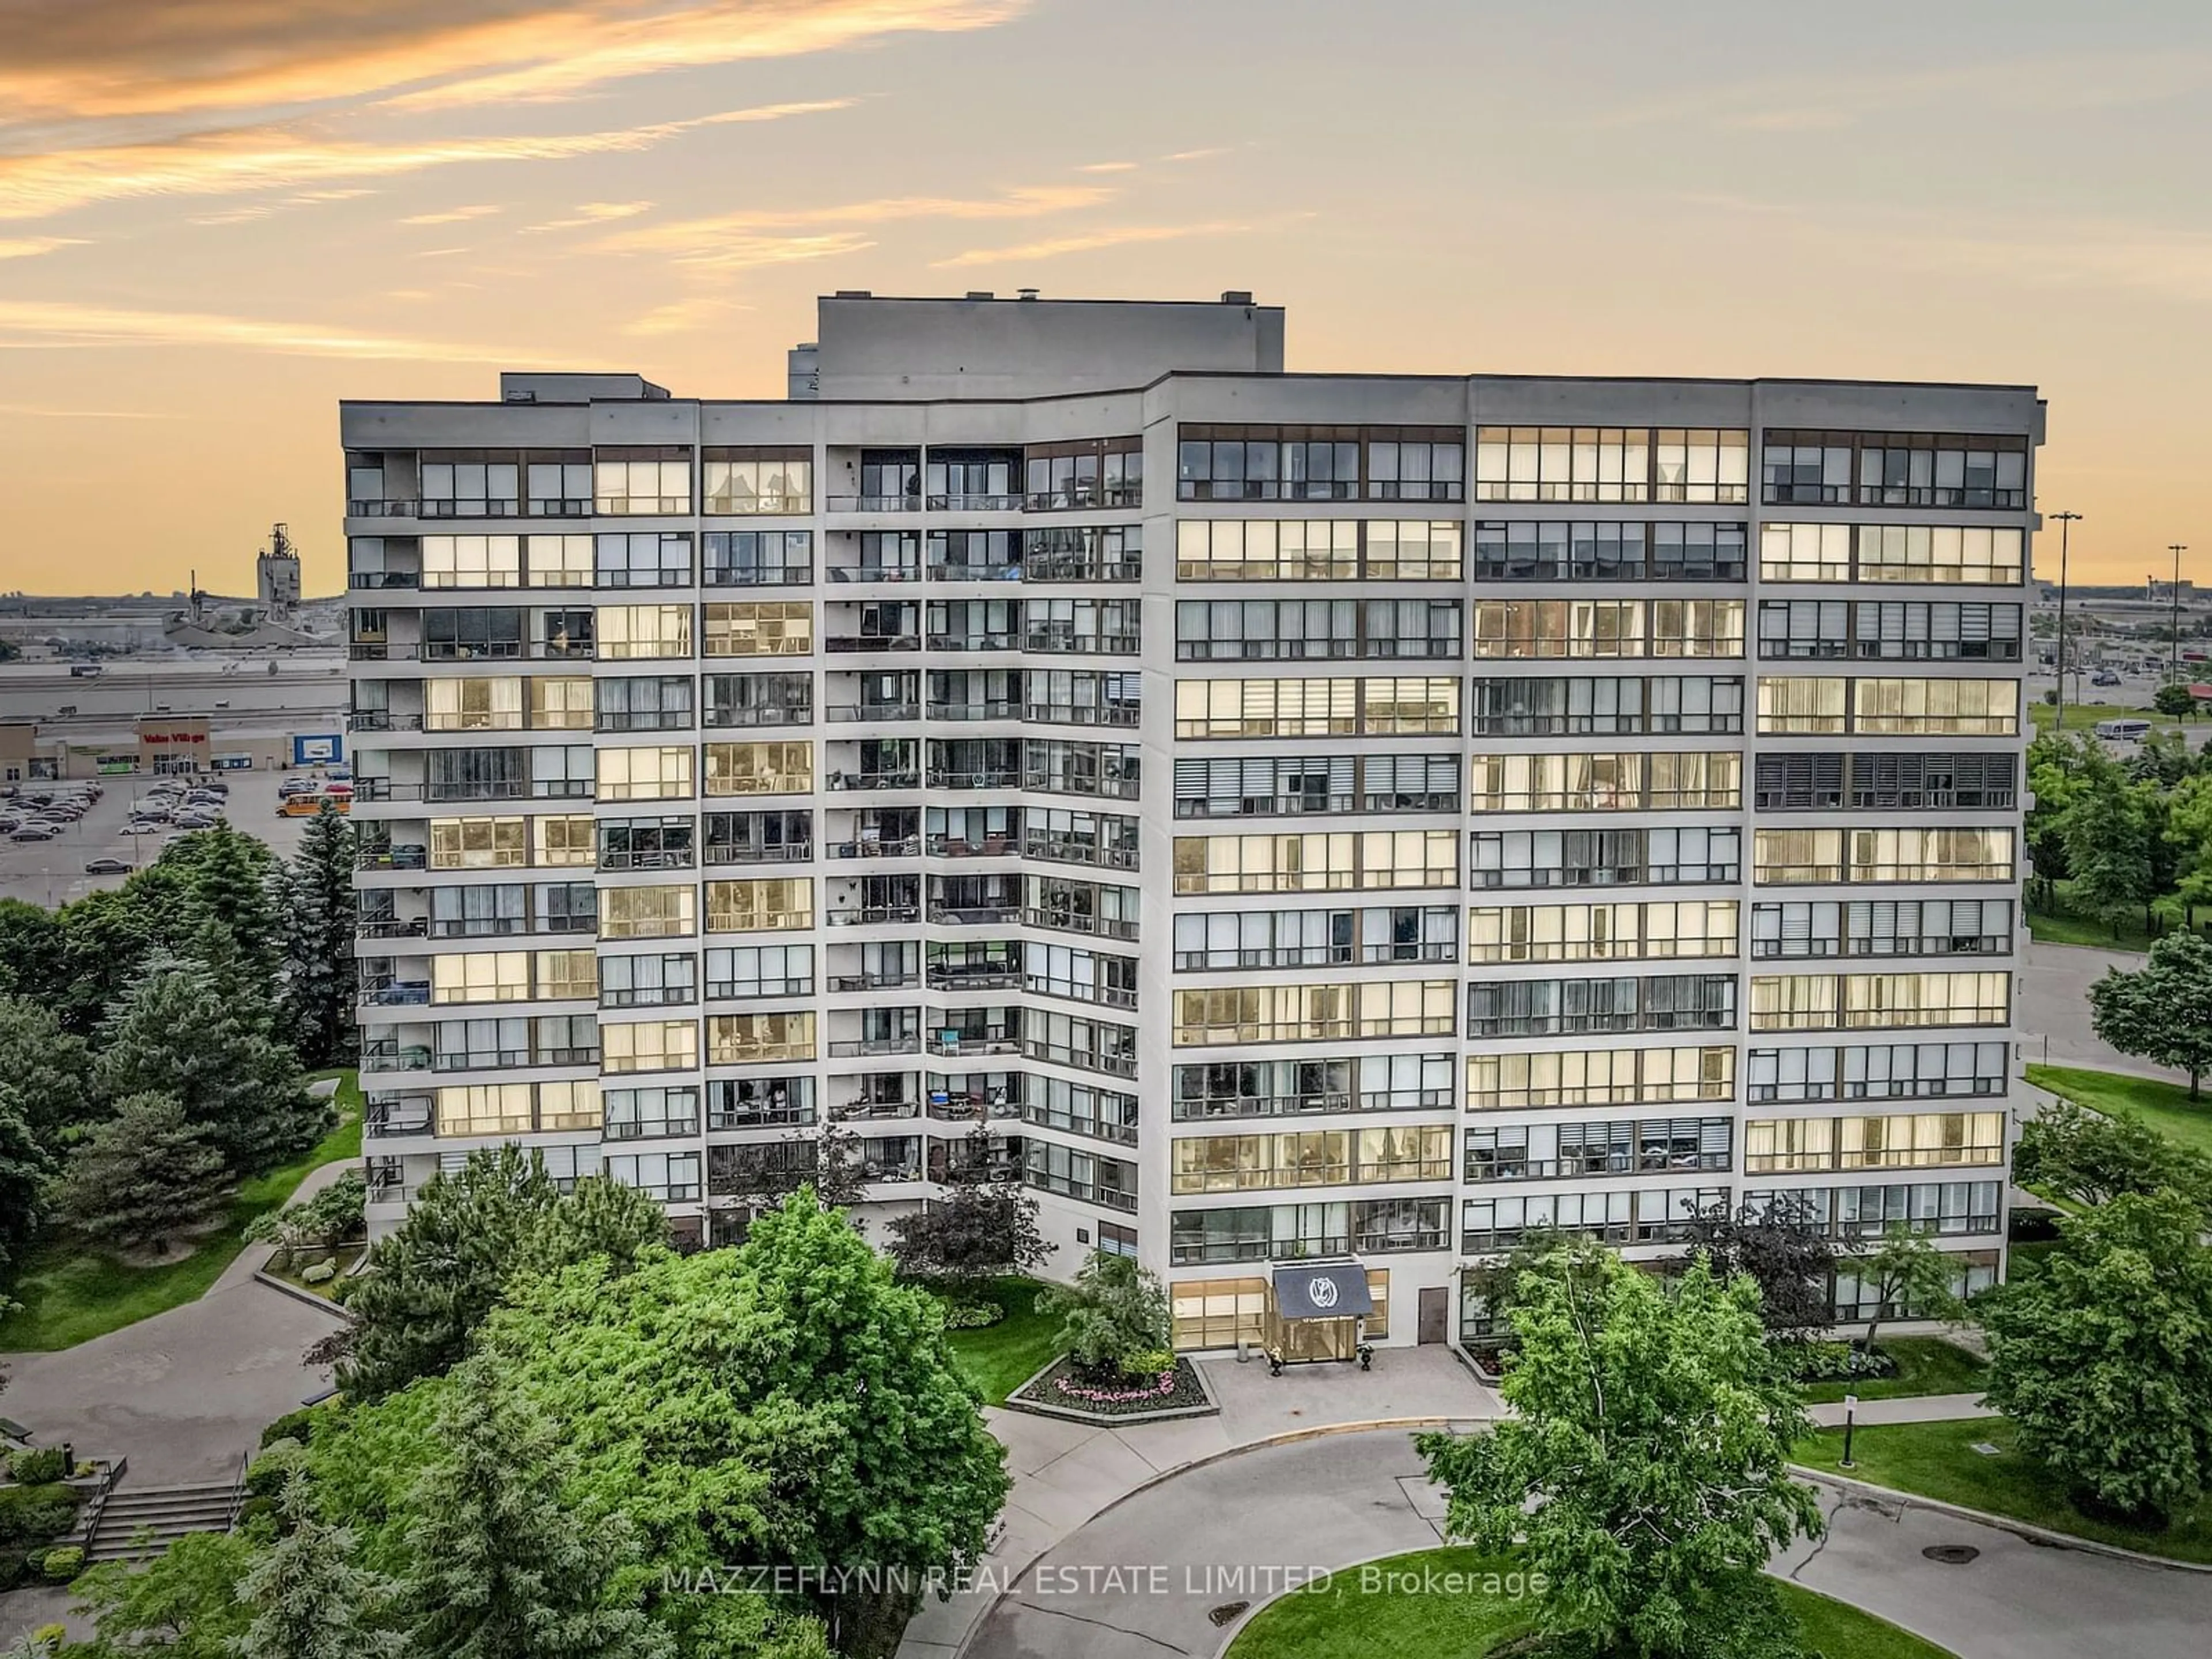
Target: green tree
x=176 y=1034
x=1911 y=1278
x=1652 y=1427
x=49 y=1069
x=322 y=1221
x=1115 y=1317
x=984 y=1230
x=504 y=1568
x=430 y=1284
x=2173 y=699
x=2103 y=1359
x=25 y=1169
x=318 y=921
x=2058 y=766
x=182 y=1603
x=2162 y=1011
x=2112 y=848
x=142 y=1177
x=231 y=881
x=2189 y=839
x=30 y=950
x=309 y=1597
x=2091 y=1159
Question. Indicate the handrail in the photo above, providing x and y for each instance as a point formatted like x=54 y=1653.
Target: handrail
x=238 y=1492
x=88 y=1522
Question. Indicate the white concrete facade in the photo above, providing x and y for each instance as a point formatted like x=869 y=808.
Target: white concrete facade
x=1007 y=632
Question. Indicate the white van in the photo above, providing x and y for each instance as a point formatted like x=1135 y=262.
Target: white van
x=2124 y=731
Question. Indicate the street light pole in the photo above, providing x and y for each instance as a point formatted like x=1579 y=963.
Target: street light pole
x=2173 y=651
x=2066 y=522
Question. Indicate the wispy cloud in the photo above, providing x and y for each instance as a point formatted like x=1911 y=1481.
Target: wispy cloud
x=58 y=322
x=713 y=242
x=452 y=215
x=1108 y=167
x=683 y=316
x=260 y=159
x=1086 y=242
x=1206 y=155
x=131 y=59
x=592 y=213
x=251 y=210
x=30 y=247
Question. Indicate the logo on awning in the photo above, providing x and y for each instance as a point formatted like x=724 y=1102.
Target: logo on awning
x=1322 y=1292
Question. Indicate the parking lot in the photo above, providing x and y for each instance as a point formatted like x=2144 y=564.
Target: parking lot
x=51 y=872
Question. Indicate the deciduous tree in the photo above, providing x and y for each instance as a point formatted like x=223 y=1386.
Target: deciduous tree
x=1652 y=1428
x=1910 y=1277
x=2103 y=1359
x=1782 y=1249
x=2091 y=1159
x=984 y=1230
x=1113 y=1317
x=2173 y=699
x=2162 y=1011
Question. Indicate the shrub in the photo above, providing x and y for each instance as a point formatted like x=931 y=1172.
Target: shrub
x=321 y=1273
x=266 y=1478
x=50 y=1636
x=36 y=1468
x=1114 y=1311
x=1837 y=1362
x=1149 y=1362
x=63 y=1563
x=972 y=1316
x=293 y=1425
x=31 y=1516
x=13 y=1568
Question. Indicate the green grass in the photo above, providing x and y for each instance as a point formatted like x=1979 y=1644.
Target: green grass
x=2166 y=1107
x=1000 y=1358
x=1937 y=1460
x=1354 y=1619
x=2062 y=927
x=69 y=1294
x=2084 y=716
x=1925 y=1365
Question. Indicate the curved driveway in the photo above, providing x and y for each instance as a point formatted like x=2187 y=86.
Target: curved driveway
x=1145 y=1578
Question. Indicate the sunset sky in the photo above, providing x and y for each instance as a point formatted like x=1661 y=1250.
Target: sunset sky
x=219 y=217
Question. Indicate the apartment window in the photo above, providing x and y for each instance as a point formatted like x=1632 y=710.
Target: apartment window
x=1902 y=1071
x=649 y=1114
x=1664 y=781
x=472 y=705
x=486 y=1109
x=738 y=482
x=656 y=1045
x=739 y=700
x=1065 y=767
x=1291 y=1231
x=1543 y=1151
x=647 y=844
x=477 y=844
x=1599 y=1077
x=567 y=908
x=567 y=975
x=1319 y=862
x=1889 y=629
x=1539 y=1007
x=1306 y=629
x=1108 y=627
x=1601 y=932
x=1091 y=1178
x=628 y=632
x=1316 y=707
x=669 y=1177
x=466 y=483
x=1611 y=463
x=1263 y=785
x=756 y=558
x=758 y=627
x=1894 y=1001
x=1926 y=854
x=1316 y=550
x=1304 y=1013
x=1803 y=706
x=558 y=840
x=1585 y=858
x=1948 y=1208
x=760 y=971
x=1058 y=696
x=476 y=911
x=480 y=976
x=1797 y=855
x=1314 y=939
x=750 y=1039
x=745 y=907
x=471 y=561
x=664 y=911
x=1108 y=553
x=1963 y=707
x=646 y=479
x=1917 y=1140
x=1930 y=782
x=757 y=837
x=646 y=558
x=1955 y=555
x=1416 y=465
x=1657 y=1216
x=659 y=773
x=559 y=705
x=1087 y=472
x=1804 y=553
x=1536 y=629
x=1894 y=469
x=649 y=981
x=760 y=768
x=644 y=704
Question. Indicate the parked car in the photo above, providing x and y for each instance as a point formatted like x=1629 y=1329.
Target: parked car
x=35 y=831
x=107 y=867
x=2104 y=677
x=145 y=827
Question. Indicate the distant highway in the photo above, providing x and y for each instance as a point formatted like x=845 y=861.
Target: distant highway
x=127 y=688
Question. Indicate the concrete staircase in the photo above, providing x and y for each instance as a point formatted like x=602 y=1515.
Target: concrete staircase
x=163 y=1515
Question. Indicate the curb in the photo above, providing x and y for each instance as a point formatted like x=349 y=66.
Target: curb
x=1289 y=1438
x=1013 y=1402
x=299 y=1295
x=2026 y=1530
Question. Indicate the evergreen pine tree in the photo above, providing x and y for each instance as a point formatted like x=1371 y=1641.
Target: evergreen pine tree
x=176 y=1034
x=24 y=1170
x=503 y=1568
x=319 y=912
x=310 y=1599
x=49 y=1069
x=231 y=881
x=142 y=1177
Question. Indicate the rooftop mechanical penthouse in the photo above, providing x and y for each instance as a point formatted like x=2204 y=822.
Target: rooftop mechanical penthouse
x=1297 y=818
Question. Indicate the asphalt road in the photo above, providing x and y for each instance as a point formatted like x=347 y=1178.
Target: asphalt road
x=1147 y=1577
x=51 y=872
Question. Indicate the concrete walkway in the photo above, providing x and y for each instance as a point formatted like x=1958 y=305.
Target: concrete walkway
x=1162 y=1572
x=2054 y=1009
x=1067 y=1473
x=1912 y=1408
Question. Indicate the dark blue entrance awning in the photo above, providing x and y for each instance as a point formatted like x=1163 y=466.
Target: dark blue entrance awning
x=1335 y=1291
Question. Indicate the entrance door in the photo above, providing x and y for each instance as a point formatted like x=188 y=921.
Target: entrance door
x=1435 y=1313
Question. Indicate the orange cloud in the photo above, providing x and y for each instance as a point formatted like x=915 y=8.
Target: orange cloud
x=711 y=242
x=98 y=58
x=1085 y=243
x=58 y=322
x=30 y=247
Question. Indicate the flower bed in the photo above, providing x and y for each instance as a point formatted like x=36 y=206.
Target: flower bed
x=1059 y=1391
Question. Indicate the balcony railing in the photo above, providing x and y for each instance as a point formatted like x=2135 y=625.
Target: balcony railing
x=1088 y=1060
x=374 y=581
x=1075 y=568
x=893 y=778
x=410 y=1115
x=875 y=711
x=870 y=916
x=396 y=993
x=994 y=777
x=1061 y=849
x=872 y=1111
x=391 y=927
x=988 y=709
x=383 y=720
x=880 y=982
x=718 y=719
x=1001 y=502
x=788 y=852
x=960 y=1048
x=974 y=642
x=872 y=573
x=854 y=1048
x=391 y=858
x=1096 y=645
x=395 y=1057
x=984 y=977
x=958 y=570
x=900 y=848
x=1082 y=493
x=985 y=915
x=1081 y=715
x=875 y=503
x=754 y=1115
x=961 y=846
x=790 y=573
x=871 y=642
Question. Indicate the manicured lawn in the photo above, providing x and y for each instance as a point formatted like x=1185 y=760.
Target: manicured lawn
x=1925 y=1365
x=2166 y=1107
x=70 y=1296
x=2064 y=928
x=1000 y=1358
x=1937 y=1460
x=1357 y=1618
x=2084 y=716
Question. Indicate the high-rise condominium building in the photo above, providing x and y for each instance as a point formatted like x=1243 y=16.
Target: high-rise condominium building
x=1276 y=817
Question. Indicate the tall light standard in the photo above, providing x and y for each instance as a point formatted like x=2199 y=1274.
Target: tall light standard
x=2066 y=522
x=2173 y=651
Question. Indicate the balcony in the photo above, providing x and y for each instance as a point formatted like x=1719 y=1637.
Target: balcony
x=963 y=847
x=1065 y=849
x=1094 y=644
x=955 y=1045
x=872 y=713
x=1083 y=568
x=974 y=977
x=874 y=1111
x=875 y=571
x=1065 y=920
x=898 y=777
x=983 y=915
x=668 y=859
x=972 y=640
x=1083 y=493
x=985 y=708
x=719 y=853
x=379 y=581
x=871 y=915
x=1049 y=714
x=874 y=503
x=1002 y=501
x=389 y=1055
x=871 y=642
x=383 y=720
x=975 y=570
x=905 y=847
x=386 y=1118
x=860 y=1048
x=794 y=572
x=992 y=777
x=393 y=858
x=839 y=983
x=391 y=927
x=396 y=993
